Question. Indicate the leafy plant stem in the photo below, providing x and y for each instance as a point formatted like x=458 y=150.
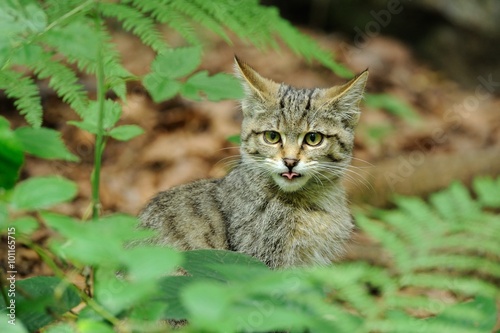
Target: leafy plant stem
x=63 y=276
x=99 y=143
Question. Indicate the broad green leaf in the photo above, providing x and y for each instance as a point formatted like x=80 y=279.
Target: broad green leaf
x=117 y=294
x=42 y=192
x=125 y=132
x=24 y=225
x=44 y=142
x=161 y=88
x=149 y=311
x=177 y=62
x=215 y=88
x=206 y=263
x=168 y=66
x=10 y=323
x=39 y=298
x=83 y=247
x=393 y=105
x=169 y=293
x=149 y=263
x=112 y=113
x=11 y=155
x=208 y=304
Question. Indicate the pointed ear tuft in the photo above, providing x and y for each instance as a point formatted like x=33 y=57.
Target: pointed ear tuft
x=253 y=82
x=347 y=97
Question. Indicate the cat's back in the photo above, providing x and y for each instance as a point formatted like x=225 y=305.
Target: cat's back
x=187 y=217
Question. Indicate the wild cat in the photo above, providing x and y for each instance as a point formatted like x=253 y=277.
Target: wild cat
x=284 y=202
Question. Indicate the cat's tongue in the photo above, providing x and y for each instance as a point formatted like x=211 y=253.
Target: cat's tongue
x=290 y=175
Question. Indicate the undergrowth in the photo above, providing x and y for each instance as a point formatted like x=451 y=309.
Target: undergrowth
x=439 y=271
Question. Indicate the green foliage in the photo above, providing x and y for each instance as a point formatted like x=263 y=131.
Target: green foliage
x=441 y=272
x=41 y=192
x=44 y=143
x=41 y=298
x=49 y=37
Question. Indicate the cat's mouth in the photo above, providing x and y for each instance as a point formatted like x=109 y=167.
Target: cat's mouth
x=290 y=175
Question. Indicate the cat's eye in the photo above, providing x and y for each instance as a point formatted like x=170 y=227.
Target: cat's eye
x=313 y=138
x=272 y=137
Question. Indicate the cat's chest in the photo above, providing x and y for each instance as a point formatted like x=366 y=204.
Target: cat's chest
x=305 y=236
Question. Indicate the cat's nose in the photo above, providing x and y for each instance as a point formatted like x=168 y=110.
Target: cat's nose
x=290 y=163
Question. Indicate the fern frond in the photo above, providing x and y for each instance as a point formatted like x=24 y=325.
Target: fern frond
x=456 y=204
x=456 y=262
x=55 y=9
x=461 y=285
x=396 y=248
x=76 y=42
x=63 y=80
x=488 y=191
x=164 y=13
x=469 y=243
x=25 y=93
x=201 y=15
x=134 y=21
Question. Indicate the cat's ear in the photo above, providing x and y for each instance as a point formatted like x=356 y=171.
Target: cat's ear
x=253 y=83
x=347 y=97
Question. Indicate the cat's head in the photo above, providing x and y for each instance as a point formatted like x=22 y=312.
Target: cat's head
x=298 y=136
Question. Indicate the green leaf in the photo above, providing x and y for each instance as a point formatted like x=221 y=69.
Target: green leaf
x=11 y=155
x=112 y=113
x=45 y=143
x=24 y=225
x=117 y=294
x=208 y=263
x=176 y=62
x=39 y=298
x=149 y=263
x=208 y=304
x=393 y=105
x=150 y=311
x=168 y=66
x=83 y=247
x=8 y=324
x=125 y=132
x=161 y=88
x=42 y=192
x=215 y=88
x=169 y=293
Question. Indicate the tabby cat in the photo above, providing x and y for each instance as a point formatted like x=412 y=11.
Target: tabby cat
x=284 y=202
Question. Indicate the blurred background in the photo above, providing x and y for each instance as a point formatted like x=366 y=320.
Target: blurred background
x=438 y=59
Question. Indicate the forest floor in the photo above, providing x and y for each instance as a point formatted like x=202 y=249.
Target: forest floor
x=454 y=134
